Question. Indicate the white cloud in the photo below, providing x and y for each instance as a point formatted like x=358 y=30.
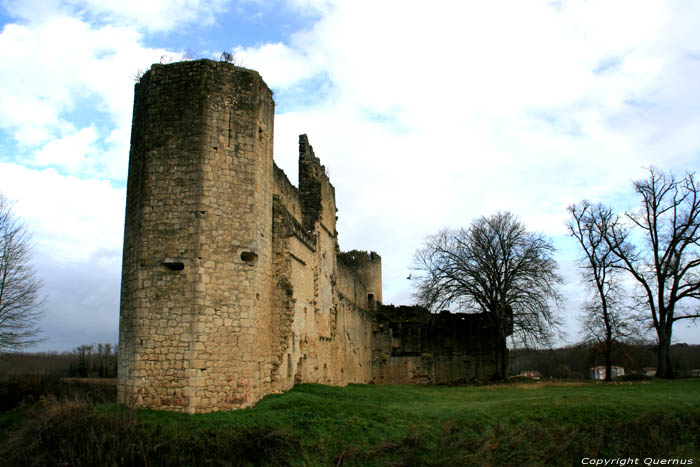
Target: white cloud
x=61 y=69
x=437 y=115
x=69 y=152
x=283 y=64
x=151 y=15
x=71 y=219
x=425 y=115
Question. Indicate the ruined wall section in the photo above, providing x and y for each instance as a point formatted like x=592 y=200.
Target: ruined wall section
x=328 y=339
x=291 y=243
x=195 y=332
x=413 y=346
x=287 y=194
x=316 y=193
x=360 y=277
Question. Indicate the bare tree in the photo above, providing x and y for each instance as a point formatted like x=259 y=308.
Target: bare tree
x=604 y=319
x=667 y=267
x=228 y=57
x=494 y=266
x=19 y=288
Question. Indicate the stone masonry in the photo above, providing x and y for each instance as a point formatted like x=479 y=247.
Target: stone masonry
x=233 y=283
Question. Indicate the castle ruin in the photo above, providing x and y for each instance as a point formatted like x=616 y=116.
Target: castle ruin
x=233 y=283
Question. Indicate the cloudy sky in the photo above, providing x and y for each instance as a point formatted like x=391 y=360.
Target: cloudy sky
x=426 y=114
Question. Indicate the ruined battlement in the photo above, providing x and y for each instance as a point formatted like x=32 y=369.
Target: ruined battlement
x=233 y=282
x=416 y=346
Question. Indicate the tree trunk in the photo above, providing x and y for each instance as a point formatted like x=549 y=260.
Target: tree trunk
x=608 y=361
x=502 y=359
x=664 y=369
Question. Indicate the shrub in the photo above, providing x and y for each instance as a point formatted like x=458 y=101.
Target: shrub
x=71 y=432
x=30 y=389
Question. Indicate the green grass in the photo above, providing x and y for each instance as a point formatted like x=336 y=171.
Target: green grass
x=513 y=424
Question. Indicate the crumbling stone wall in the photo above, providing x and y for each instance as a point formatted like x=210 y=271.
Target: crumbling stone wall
x=329 y=340
x=412 y=345
x=233 y=283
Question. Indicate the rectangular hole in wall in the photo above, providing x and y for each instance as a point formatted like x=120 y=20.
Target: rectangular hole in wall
x=172 y=264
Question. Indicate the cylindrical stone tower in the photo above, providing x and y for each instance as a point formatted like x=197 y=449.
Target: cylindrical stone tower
x=194 y=330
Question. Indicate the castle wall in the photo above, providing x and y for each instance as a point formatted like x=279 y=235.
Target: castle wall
x=233 y=283
x=328 y=339
x=360 y=277
x=286 y=193
x=411 y=345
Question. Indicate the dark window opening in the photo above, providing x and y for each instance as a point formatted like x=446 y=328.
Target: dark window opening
x=249 y=257
x=173 y=265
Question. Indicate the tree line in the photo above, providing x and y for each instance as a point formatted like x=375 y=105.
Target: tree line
x=498 y=267
x=84 y=361
x=574 y=361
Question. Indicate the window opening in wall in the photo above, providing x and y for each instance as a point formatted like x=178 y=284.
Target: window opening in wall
x=172 y=264
x=370 y=301
x=249 y=257
x=289 y=366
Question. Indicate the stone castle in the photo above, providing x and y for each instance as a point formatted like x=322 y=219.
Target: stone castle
x=233 y=283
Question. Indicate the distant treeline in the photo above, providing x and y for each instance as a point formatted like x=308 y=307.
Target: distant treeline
x=576 y=360
x=100 y=360
x=84 y=361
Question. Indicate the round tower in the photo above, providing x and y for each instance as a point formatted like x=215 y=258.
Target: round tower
x=194 y=330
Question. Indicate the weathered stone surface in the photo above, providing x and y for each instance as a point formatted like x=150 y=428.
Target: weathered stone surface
x=233 y=284
x=412 y=345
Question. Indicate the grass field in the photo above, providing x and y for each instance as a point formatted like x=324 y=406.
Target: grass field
x=513 y=424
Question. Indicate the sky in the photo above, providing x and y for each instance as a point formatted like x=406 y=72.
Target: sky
x=426 y=115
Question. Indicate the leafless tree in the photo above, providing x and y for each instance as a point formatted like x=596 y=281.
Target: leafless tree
x=660 y=247
x=19 y=287
x=228 y=57
x=494 y=266
x=605 y=319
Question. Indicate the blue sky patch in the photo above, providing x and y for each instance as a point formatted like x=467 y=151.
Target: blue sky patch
x=608 y=65
x=304 y=94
